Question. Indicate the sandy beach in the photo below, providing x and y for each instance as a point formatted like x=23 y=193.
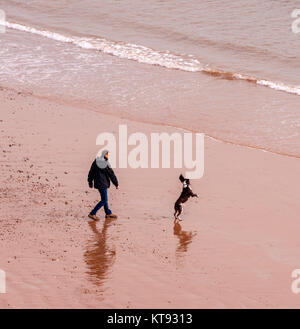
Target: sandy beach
x=236 y=247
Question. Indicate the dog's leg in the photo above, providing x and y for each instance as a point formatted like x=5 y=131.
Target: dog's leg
x=175 y=214
x=179 y=211
x=176 y=208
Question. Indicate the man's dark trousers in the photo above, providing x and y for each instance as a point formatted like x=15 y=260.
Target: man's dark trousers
x=103 y=202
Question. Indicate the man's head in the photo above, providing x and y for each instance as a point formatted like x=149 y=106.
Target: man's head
x=105 y=154
x=102 y=161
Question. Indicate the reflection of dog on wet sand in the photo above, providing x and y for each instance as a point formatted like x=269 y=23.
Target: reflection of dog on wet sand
x=185 y=238
x=184 y=196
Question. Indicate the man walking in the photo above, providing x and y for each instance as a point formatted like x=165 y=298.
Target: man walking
x=99 y=177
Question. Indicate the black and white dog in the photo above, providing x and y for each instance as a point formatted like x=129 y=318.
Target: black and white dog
x=184 y=196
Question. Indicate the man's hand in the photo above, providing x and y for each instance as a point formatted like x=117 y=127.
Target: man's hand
x=118 y=187
x=91 y=185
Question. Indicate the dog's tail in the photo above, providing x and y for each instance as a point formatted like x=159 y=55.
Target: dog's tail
x=181 y=178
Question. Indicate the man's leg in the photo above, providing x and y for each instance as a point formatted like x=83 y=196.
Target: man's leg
x=104 y=198
x=99 y=204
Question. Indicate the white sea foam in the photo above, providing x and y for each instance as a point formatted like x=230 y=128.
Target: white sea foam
x=150 y=56
x=280 y=86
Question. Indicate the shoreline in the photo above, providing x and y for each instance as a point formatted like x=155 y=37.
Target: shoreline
x=236 y=247
x=67 y=103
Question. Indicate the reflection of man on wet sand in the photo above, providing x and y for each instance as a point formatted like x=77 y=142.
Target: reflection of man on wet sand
x=185 y=238
x=98 y=257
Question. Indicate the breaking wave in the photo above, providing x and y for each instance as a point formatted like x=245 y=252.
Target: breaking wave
x=150 y=56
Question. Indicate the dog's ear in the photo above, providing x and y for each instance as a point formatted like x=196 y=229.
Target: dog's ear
x=181 y=178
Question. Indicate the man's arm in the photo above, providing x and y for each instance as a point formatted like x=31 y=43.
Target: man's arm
x=91 y=174
x=112 y=176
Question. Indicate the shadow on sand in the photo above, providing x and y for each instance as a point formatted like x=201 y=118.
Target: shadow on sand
x=98 y=256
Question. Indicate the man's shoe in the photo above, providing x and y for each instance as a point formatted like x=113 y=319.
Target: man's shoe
x=94 y=217
x=111 y=216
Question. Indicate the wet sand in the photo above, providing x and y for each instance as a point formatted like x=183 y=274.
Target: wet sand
x=236 y=247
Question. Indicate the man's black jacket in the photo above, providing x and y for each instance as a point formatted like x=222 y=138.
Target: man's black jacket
x=101 y=177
